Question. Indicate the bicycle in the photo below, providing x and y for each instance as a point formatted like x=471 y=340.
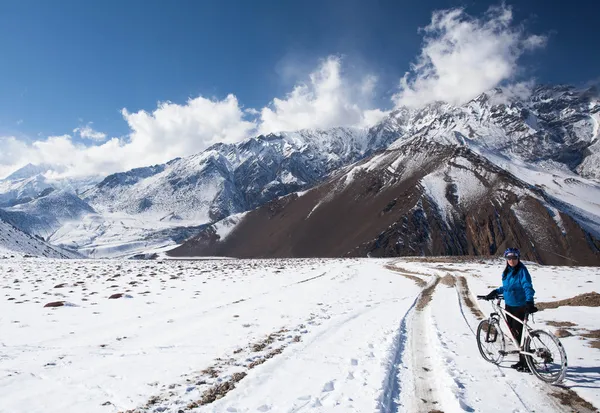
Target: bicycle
x=544 y=353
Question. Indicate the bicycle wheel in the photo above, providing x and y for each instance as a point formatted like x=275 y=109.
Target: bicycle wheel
x=549 y=362
x=490 y=341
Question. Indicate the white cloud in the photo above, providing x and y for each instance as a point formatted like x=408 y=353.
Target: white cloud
x=174 y=130
x=463 y=56
x=86 y=132
x=514 y=91
x=534 y=42
x=170 y=131
x=13 y=155
x=327 y=99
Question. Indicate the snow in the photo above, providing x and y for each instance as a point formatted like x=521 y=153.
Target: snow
x=596 y=122
x=225 y=226
x=315 y=208
x=352 y=335
x=113 y=235
x=579 y=196
x=555 y=213
x=435 y=188
x=14 y=242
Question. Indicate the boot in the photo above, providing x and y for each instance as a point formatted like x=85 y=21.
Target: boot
x=521 y=365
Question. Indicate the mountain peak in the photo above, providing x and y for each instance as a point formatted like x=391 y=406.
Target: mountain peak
x=28 y=171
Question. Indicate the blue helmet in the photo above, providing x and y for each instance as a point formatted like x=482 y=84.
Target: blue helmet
x=512 y=251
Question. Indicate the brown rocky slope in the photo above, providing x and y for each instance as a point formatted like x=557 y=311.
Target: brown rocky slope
x=422 y=198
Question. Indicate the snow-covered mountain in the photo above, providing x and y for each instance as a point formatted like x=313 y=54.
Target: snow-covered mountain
x=556 y=127
x=549 y=139
x=420 y=198
x=231 y=178
x=14 y=242
x=45 y=214
x=31 y=181
x=21 y=190
x=458 y=180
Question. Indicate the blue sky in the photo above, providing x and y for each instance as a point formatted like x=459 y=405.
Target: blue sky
x=76 y=64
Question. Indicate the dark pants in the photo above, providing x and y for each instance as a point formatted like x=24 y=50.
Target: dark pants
x=515 y=327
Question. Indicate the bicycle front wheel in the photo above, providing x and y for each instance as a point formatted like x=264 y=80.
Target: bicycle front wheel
x=490 y=341
x=549 y=359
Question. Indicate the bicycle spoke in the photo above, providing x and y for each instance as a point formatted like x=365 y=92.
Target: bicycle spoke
x=490 y=341
x=548 y=361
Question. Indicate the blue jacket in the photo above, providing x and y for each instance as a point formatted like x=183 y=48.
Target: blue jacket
x=516 y=286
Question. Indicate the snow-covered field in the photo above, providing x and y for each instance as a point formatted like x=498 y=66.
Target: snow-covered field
x=350 y=335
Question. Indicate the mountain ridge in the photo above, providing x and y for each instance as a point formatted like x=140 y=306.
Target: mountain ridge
x=551 y=134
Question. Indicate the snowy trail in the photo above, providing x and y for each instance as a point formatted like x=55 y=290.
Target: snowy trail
x=350 y=335
x=447 y=373
x=465 y=376
x=340 y=365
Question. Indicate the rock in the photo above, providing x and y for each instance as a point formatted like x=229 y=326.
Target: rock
x=55 y=304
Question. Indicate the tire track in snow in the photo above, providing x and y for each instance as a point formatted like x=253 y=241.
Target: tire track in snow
x=388 y=402
x=410 y=334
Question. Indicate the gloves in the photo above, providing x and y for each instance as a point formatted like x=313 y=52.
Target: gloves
x=492 y=295
x=530 y=308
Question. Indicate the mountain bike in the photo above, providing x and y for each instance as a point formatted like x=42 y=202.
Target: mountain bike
x=543 y=351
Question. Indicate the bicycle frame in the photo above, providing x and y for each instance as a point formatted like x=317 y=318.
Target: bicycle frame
x=526 y=329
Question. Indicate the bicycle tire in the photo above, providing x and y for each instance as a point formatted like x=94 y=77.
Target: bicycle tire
x=543 y=365
x=492 y=351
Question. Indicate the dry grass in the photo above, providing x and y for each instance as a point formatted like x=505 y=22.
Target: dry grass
x=217 y=391
x=583 y=300
x=595 y=336
x=451 y=258
x=568 y=397
x=408 y=275
x=561 y=323
x=427 y=294
x=211 y=372
x=448 y=281
x=265 y=358
x=466 y=295
x=562 y=333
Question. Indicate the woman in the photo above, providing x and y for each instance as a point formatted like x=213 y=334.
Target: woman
x=518 y=292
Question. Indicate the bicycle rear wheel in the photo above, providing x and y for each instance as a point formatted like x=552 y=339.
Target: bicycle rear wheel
x=490 y=340
x=549 y=362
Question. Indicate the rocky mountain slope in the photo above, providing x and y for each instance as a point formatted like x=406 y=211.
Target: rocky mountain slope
x=549 y=142
x=556 y=126
x=14 y=242
x=470 y=180
x=230 y=178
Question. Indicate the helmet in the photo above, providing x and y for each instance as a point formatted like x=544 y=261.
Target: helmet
x=512 y=251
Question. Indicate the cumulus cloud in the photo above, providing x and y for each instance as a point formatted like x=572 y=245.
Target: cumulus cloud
x=174 y=130
x=327 y=99
x=13 y=154
x=463 y=56
x=86 y=132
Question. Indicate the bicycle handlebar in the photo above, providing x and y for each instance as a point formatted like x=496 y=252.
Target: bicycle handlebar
x=501 y=297
x=484 y=297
